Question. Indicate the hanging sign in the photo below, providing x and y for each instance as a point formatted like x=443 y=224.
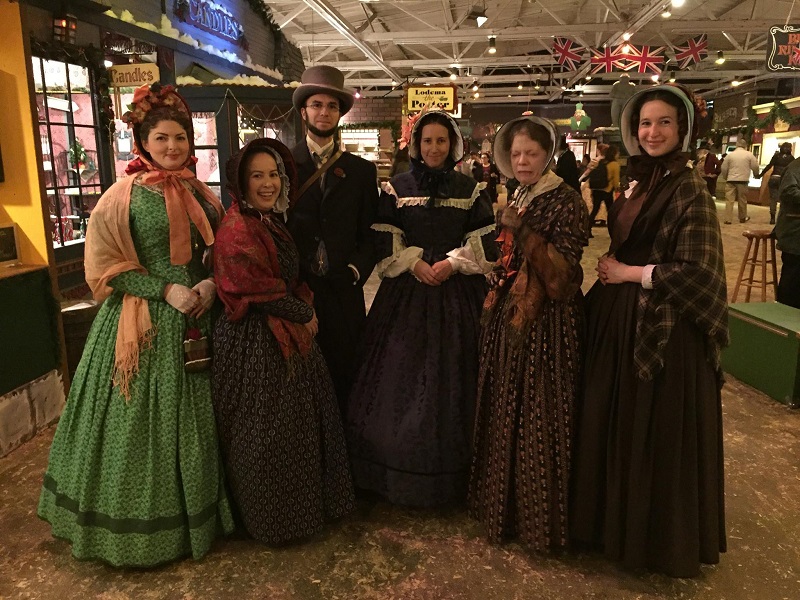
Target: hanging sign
x=210 y=17
x=133 y=75
x=783 y=48
x=444 y=97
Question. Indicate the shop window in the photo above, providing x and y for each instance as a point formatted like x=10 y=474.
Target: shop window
x=69 y=136
x=206 y=147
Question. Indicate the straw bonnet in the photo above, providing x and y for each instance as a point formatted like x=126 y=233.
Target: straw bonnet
x=501 y=156
x=323 y=79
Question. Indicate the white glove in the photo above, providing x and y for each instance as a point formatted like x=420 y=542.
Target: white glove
x=182 y=298
x=208 y=291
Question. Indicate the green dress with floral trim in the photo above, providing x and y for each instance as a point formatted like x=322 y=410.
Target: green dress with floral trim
x=139 y=483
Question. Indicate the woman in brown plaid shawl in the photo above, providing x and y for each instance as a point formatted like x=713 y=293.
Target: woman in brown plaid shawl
x=648 y=475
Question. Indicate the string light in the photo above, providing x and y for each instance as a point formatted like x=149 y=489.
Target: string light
x=492 y=44
x=720 y=57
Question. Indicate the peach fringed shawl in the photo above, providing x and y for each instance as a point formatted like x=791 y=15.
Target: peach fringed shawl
x=110 y=251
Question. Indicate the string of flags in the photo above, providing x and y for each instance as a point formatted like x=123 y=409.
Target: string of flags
x=627 y=56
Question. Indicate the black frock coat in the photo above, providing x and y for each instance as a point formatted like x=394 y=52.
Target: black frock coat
x=340 y=211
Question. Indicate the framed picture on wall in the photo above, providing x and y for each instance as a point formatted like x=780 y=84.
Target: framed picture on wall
x=9 y=245
x=756 y=150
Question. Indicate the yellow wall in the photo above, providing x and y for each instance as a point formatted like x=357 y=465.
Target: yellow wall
x=20 y=194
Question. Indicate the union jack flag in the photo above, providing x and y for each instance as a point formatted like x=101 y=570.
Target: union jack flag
x=566 y=53
x=695 y=50
x=643 y=59
x=607 y=59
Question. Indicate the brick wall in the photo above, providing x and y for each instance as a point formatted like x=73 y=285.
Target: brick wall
x=288 y=59
x=371 y=110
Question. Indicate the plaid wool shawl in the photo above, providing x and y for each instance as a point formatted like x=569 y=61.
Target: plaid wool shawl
x=688 y=279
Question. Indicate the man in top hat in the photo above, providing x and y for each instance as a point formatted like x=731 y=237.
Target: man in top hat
x=331 y=219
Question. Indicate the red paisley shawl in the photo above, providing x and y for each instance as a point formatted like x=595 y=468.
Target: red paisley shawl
x=247 y=272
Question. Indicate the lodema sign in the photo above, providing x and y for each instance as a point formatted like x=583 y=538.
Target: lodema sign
x=783 y=48
x=444 y=97
x=133 y=75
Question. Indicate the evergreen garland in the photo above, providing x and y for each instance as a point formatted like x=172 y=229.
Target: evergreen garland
x=261 y=9
x=778 y=112
x=393 y=125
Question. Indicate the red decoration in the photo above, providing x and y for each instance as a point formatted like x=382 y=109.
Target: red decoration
x=607 y=60
x=566 y=53
x=695 y=50
x=643 y=59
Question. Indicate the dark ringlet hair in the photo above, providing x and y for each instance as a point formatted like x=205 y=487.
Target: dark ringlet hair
x=672 y=100
x=440 y=120
x=536 y=132
x=611 y=153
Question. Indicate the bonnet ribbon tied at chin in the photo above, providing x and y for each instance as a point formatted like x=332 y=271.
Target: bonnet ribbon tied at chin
x=182 y=206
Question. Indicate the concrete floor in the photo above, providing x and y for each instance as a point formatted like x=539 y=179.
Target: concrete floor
x=384 y=552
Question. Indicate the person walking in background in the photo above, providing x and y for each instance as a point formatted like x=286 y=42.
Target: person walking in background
x=582 y=166
x=648 y=485
x=530 y=349
x=787 y=232
x=567 y=166
x=485 y=171
x=330 y=221
x=776 y=167
x=709 y=166
x=135 y=477
x=736 y=170
x=411 y=413
x=604 y=181
x=278 y=420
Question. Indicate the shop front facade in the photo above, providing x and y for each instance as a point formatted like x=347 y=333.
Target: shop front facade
x=63 y=145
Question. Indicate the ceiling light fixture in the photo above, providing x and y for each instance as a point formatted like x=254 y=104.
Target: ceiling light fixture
x=519 y=87
x=666 y=13
x=720 y=57
x=626 y=36
x=588 y=78
x=626 y=49
x=492 y=44
x=474 y=87
x=453 y=76
x=672 y=77
x=476 y=95
x=678 y=3
x=357 y=95
x=655 y=77
x=736 y=82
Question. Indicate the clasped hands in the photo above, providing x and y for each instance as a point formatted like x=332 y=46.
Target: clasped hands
x=194 y=301
x=435 y=274
x=610 y=270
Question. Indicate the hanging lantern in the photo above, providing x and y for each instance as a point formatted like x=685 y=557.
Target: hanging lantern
x=64 y=28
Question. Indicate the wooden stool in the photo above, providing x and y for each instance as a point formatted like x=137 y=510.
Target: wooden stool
x=753 y=259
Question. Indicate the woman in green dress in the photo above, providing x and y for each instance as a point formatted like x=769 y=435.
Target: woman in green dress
x=134 y=477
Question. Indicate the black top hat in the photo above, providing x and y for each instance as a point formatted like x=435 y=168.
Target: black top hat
x=323 y=79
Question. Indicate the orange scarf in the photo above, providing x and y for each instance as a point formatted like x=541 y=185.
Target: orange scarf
x=110 y=251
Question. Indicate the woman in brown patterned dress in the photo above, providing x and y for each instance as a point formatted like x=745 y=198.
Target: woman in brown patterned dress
x=530 y=349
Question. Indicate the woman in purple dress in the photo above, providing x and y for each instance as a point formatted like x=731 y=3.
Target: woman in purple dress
x=411 y=411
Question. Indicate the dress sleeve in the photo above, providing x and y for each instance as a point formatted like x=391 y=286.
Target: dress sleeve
x=144 y=286
x=479 y=251
x=394 y=257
